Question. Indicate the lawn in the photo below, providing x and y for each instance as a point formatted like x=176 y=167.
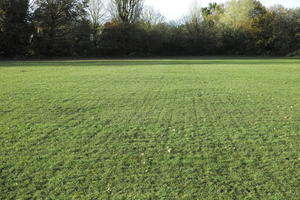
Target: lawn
x=207 y=128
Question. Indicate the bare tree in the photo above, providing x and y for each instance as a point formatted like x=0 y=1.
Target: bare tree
x=126 y=11
x=193 y=20
x=152 y=16
x=97 y=14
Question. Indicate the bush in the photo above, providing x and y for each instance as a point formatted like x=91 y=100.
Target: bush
x=122 y=40
x=294 y=54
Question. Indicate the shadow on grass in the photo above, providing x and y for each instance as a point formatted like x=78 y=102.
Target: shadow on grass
x=152 y=62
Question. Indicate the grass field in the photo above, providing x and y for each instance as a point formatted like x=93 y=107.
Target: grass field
x=211 y=128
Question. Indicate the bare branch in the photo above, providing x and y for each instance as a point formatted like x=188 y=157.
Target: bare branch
x=126 y=11
x=152 y=16
x=97 y=12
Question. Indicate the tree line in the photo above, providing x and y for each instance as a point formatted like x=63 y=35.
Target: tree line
x=88 y=28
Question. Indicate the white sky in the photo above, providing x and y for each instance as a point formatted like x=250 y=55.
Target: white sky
x=174 y=9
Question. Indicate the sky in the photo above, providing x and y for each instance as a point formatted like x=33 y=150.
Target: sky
x=175 y=9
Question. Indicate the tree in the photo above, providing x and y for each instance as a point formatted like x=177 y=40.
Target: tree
x=81 y=39
x=127 y=27
x=126 y=11
x=194 y=19
x=212 y=14
x=97 y=14
x=54 y=22
x=14 y=27
x=286 y=30
x=194 y=29
x=261 y=28
x=237 y=14
x=151 y=16
x=123 y=39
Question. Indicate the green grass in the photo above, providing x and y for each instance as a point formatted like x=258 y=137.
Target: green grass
x=211 y=128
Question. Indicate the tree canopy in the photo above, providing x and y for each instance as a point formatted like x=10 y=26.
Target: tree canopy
x=129 y=28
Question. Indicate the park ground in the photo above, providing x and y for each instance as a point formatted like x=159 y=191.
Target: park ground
x=198 y=128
